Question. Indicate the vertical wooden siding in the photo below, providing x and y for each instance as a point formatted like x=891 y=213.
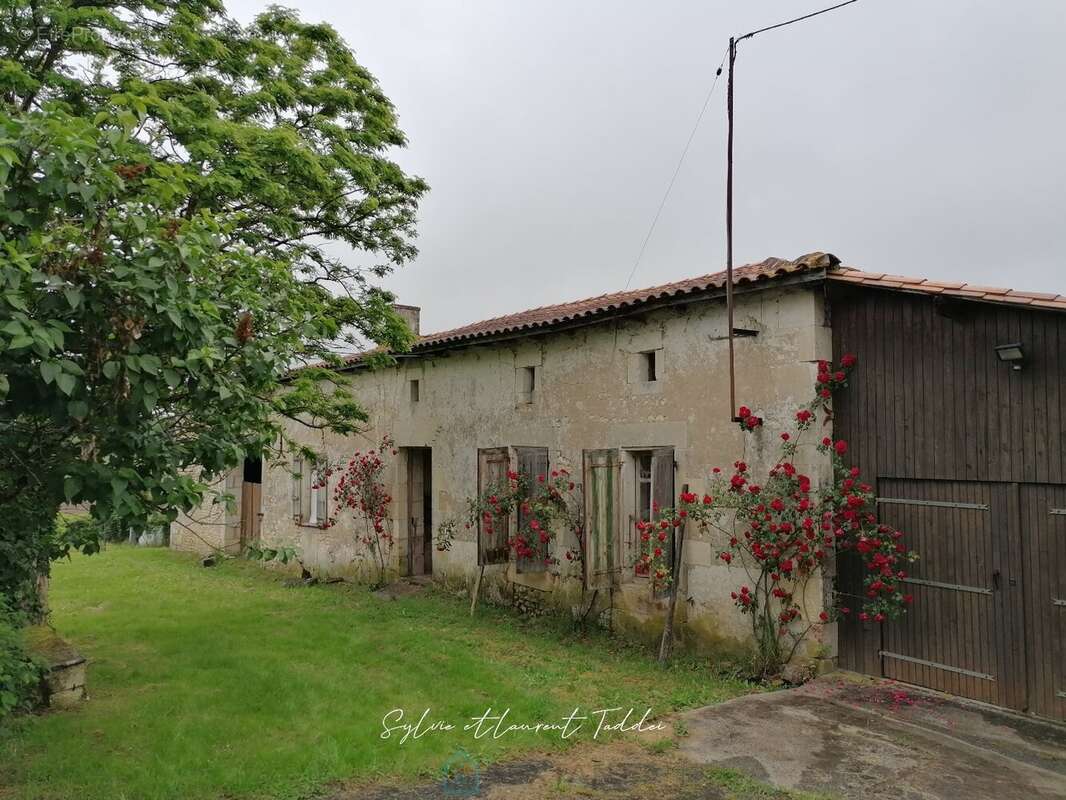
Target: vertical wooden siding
x=930 y=401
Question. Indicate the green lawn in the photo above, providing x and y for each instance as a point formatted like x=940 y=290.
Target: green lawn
x=224 y=683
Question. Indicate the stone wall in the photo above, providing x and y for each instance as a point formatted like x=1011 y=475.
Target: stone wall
x=588 y=396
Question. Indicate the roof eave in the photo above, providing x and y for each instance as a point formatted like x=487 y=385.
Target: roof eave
x=805 y=276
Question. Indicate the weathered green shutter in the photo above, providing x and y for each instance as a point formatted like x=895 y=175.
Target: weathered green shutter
x=533 y=461
x=602 y=542
x=297 y=475
x=492 y=467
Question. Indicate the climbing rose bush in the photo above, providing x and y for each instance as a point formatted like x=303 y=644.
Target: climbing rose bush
x=546 y=504
x=780 y=532
x=362 y=492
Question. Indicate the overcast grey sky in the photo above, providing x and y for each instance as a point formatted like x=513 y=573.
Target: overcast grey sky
x=905 y=136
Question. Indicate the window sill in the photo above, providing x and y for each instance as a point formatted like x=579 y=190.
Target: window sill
x=646 y=387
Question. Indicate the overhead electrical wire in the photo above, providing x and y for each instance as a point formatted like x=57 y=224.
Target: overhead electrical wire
x=699 y=119
x=677 y=169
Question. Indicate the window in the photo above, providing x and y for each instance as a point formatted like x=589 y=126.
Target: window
x=642 y=468
x=310 y=493
x=533 y=461
x=648 y=367
x=526 y=383
x=653 y=489
x=415 y=389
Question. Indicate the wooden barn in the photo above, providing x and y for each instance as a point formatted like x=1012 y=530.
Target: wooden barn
x=959 y=415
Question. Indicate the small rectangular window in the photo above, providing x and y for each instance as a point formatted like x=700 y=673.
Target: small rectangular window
x=647 y=365
x=415 y=389
x=526 y=383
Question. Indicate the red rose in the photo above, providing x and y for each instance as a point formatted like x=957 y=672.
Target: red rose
x=743 y=412
x=824 y=617
x=848 y=360
x=841 y=447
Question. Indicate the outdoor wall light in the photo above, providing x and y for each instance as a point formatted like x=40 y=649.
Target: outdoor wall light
x=1012 y=353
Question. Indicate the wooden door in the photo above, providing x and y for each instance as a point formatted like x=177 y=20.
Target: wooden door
x=1043 y=514
x=419 y=529
x=964 y=633
x=251 y=512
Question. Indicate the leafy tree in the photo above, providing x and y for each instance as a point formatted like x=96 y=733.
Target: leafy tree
x=173 y=190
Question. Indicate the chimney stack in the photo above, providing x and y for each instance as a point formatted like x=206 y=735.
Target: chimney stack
x=410 y=315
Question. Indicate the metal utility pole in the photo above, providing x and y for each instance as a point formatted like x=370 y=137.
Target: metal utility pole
x=733 y=42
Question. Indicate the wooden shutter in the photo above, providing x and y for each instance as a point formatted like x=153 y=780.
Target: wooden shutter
x=533 y=461
x=662 y=494
x=297 y=476
x=602 y=540
x=492 y=467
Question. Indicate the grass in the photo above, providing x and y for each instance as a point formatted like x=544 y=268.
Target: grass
x=223 y=682
x=739 y=786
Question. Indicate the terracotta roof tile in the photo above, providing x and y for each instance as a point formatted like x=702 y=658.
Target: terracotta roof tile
x=546 y=316
x=765 y=271
x=965 y=290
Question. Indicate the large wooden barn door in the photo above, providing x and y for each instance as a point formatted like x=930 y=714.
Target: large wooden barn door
x=1044 y=543
x=965 y=632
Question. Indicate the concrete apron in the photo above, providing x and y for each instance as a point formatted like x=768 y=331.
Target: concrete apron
x=856 y=737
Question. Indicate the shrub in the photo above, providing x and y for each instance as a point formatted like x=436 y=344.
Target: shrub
x=20 y=675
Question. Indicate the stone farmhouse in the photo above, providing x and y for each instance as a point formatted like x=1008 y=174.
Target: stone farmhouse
x=957 y=414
